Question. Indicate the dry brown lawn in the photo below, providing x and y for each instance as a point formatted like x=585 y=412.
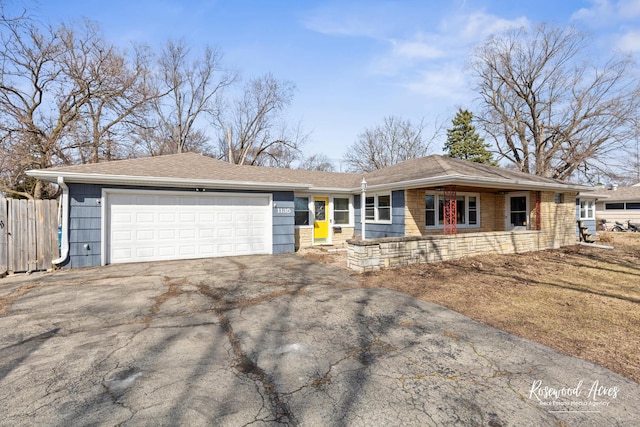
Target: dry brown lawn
x=579 y=300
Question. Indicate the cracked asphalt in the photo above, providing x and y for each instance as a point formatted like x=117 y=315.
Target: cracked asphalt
x=274 y=340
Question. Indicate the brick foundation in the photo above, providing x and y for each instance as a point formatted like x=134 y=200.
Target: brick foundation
x=373 y=255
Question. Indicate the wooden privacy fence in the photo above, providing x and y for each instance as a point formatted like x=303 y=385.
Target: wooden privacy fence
x=28 y=235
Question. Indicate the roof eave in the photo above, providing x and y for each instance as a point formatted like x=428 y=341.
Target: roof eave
x=332 y=190
x=150 y=181
x=496 y=183
x=591 y=195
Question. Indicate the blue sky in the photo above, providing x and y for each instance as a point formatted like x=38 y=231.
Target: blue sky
x=353 y=62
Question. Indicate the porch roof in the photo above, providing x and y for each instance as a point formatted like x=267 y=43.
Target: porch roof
x=436 y=171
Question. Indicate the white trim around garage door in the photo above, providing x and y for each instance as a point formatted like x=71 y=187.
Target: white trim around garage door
x=248 y=230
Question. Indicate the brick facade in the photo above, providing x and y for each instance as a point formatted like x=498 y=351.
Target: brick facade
x=557 y=228
x=304 y=236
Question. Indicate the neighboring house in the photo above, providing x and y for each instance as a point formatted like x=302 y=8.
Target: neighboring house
x=190 y=206
x=586 y=211
x=618 y=204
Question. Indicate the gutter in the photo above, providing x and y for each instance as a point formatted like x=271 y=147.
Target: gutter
x=64 y=202
x=163 y=181
x=475 y=182
x=496 y=183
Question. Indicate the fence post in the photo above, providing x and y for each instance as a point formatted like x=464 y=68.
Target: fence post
x=32 y=244
x=46 y=240
x=4 y=227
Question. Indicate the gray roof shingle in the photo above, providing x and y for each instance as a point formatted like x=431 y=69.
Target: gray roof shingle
x=621 y=194
x=195 y=167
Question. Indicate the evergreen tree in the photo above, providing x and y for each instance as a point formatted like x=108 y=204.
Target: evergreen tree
x=464 y=142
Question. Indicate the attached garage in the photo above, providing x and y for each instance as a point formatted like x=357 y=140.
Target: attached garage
x=151 y=225
x=172 y=207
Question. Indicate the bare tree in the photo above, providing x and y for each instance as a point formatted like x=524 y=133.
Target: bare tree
x=37 y=101
x=249 y=127
x=193 y=89
x=117 y=90
x=317 y=162
x=629 y=171
x=550 y=110
x=66 y=97
x=394 y=141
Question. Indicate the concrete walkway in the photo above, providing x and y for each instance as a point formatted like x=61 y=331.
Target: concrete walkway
x=271 y=340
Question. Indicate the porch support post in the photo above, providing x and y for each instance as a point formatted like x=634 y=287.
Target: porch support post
x=363 y=198
x=450 y=210
x=538 y=203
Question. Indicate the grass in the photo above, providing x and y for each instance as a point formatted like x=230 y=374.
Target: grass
x=581 y=301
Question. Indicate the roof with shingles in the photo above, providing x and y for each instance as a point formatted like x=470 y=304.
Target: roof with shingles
x=199 y=167
x=440 y=166
x=187 y=167
x=621 y=194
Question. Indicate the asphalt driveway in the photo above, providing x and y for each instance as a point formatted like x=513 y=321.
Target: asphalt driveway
x=270 y=340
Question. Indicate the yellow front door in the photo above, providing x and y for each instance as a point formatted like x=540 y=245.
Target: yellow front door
x=321 y=220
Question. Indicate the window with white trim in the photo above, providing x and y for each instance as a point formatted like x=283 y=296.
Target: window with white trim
x=377 y=208
x=341 y=212
x=587 y=209
x=301 y=210
x=467 y=210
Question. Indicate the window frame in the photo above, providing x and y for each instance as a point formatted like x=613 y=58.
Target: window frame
x=330 y=209
x=308 y=210
x=607 y=206
x=350 y=213
x=509 y=226
x=587 y=206
x=439 y=222
x=376 y=208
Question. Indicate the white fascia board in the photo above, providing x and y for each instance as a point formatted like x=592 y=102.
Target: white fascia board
x=146 y=181
x=332 y=190
x=495 y=183
x=592 y=195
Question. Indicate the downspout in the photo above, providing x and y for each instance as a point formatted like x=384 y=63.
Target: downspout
x=64 y=202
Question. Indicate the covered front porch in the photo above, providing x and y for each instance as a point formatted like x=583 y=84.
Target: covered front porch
x=452 y=210
x=374 y=254
x=452 y=222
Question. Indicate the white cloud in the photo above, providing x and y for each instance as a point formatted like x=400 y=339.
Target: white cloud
x=629 y=9
x=416 y=49
x=345 y=26
x=352 y=20
x=604 y=13
x=616 y=22
x=443 y=51
x=429 y=60
x=478 y=26
x=448 y=83
x=629 y=42
x=601 y=12
x=400 y=56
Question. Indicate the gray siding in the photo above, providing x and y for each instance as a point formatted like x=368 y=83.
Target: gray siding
x=85 y=220
x=397 y=226
x=84 y=225
x=283 y=222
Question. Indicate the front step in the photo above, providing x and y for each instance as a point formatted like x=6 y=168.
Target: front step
x=585 y=236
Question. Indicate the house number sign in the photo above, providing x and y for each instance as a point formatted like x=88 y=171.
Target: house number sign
x=284 y=210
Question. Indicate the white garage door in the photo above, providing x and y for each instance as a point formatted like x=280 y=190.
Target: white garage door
x=154 y=226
